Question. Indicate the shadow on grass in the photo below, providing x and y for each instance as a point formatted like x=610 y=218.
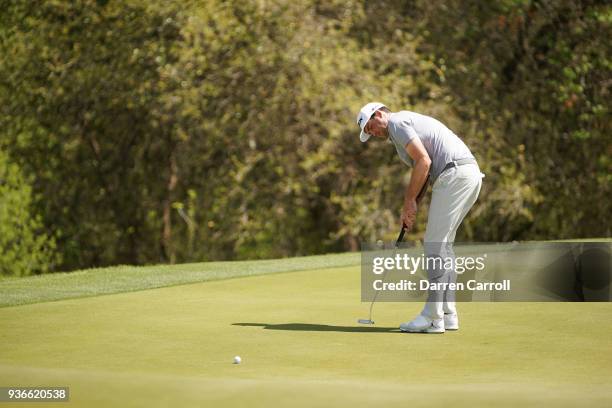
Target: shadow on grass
x=321 y=327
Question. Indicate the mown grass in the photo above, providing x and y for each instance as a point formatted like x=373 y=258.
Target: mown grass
x=118 y=279
x=301 y=346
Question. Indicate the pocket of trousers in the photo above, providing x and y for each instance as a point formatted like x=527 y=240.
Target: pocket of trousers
x=469 y=171
x=445 y=177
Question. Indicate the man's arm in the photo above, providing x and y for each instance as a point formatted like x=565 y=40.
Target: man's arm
x=420 y=172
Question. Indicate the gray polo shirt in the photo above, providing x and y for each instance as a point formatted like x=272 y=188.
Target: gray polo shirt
x=442 y=145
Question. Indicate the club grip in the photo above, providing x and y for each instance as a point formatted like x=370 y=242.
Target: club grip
x=400 y=238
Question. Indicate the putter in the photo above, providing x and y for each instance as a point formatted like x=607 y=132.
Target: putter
x=400 y=238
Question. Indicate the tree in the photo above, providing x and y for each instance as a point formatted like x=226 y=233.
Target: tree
x=25 y=249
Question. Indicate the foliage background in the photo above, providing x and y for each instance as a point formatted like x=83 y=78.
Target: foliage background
x=163 y=131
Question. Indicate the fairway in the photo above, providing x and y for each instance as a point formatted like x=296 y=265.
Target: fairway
x=300 y=345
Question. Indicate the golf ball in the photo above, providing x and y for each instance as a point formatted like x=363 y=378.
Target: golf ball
x=380 y=243
x=237 y=360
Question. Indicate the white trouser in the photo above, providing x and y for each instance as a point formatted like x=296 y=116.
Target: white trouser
x=454 y=193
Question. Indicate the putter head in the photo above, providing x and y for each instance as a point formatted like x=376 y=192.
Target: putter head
x=365 y=321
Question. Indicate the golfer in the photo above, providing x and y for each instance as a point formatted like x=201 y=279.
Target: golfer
x=436 y=155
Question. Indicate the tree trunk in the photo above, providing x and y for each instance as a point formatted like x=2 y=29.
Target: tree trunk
x=167 y=247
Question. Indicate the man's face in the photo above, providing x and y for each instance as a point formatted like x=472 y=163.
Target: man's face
x=377 y=125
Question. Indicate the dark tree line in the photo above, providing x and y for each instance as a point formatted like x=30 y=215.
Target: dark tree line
x=145 y=132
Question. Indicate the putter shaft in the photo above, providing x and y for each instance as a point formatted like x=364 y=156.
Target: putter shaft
x=399 y=240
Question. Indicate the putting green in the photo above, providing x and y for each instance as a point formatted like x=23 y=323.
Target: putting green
x=301 y=346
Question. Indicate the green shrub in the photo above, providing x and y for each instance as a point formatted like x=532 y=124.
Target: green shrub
x=24 y=249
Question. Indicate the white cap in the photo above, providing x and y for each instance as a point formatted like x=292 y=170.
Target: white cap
x=364 y=115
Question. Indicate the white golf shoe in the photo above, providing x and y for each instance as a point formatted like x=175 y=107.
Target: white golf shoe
x=422 y=324
x=451 y=321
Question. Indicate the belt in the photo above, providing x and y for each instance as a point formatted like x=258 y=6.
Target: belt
x=456 y=163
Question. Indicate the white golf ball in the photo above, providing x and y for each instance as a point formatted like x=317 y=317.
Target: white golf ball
x=379 y=243
x=237 y=360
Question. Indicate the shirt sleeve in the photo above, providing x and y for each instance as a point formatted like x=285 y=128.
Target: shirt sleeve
x=403 y=132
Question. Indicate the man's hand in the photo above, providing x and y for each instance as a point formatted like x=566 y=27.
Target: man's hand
x=409 y=214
